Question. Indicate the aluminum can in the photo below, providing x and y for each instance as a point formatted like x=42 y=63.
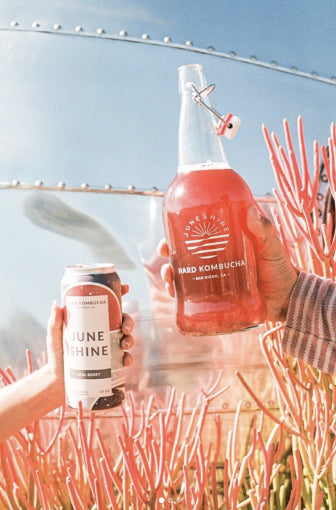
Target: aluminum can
x=93 y=359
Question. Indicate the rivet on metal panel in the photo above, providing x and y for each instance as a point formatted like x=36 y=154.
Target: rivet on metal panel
x=248 y=404
x=79 y=28
x=211 y=48
x=57 y=26
x=155 y=189
x=15 y=183
x=123 y=33
x=84 y=185
x=225 y=405
x=131 y=188
x=314 y=73
x=100 y=31
x=294 y=69
x=189 y=43
x=61 y=185
x=38 y=183
x=253 y=58
x=233 y=54
x=145 y=37
x=167 y=39
x=320 y=197
x=14 y=23
x=35 y=24
x=274 y=63
x=333 y=78
x=108 y=187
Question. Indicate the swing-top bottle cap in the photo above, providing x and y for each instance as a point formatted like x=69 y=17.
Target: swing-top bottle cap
x=228 y=126
x=190 y=79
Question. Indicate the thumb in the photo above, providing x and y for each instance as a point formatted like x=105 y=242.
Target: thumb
x=54 y=337
x=267 y=240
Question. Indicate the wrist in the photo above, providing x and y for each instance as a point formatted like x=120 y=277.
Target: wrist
x=291 y=284
x=28 y=399
x=54 y=380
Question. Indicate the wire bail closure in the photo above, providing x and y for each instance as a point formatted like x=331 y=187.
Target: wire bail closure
x=228 y=124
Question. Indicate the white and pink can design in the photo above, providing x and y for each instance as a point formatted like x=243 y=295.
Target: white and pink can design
x=93 y=359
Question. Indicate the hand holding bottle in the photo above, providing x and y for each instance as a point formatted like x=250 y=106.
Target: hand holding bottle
x=276 y=275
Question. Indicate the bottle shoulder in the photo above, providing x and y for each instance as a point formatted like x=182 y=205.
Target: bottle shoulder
x=207 y=185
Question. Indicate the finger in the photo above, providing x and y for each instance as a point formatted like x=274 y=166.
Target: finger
x=256 y=223
x=127 y=359
x=170 y=289
x=55 y=336
x=127 y=324
x=167 y=275
x=267 y=238
x=127 y=342
x=124 y=289
x=55 y=321
x=163 y=249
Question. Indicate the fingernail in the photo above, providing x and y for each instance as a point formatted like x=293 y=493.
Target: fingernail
x=127 y=361
x=126 y=328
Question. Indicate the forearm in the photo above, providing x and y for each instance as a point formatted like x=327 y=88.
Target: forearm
x=310 y=328
x=28 y=399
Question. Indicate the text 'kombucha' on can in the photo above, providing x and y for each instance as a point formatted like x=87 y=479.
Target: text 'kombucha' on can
x=93 y=358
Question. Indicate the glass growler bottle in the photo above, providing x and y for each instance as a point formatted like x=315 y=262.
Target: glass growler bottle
x=204 y=214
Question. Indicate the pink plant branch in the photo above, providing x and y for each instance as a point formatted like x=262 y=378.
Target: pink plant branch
x=19 y=496
x=262 y=406
x=108 y=486
x=285 y=391
x=74 y=494
x=214 y=486
x=178 y=431
x=162 y=452
x=133 y=471
x=29 y=360
x=306 y=181
x=145 y=464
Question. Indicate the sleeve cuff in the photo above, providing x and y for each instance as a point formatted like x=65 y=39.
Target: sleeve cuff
x=310 y=328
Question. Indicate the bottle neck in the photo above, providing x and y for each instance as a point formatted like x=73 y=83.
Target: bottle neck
x=199 y=147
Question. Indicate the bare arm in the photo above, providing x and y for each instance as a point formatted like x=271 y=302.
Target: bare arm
x=36 y=394
x=33 y=396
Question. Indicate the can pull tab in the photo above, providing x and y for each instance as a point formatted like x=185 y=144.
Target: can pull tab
x=228 y=124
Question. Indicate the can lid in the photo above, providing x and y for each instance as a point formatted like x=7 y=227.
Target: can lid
x=99 y=268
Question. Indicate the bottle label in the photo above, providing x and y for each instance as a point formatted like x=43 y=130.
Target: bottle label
x=206 y=235
x=211 y=248
x=92 y=357
x=209 y=268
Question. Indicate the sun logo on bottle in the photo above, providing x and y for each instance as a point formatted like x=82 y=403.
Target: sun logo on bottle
x=206 y=235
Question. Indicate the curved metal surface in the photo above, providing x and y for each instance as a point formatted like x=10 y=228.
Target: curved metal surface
x=88 y=98
x=81 y=106
x=46 y=230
